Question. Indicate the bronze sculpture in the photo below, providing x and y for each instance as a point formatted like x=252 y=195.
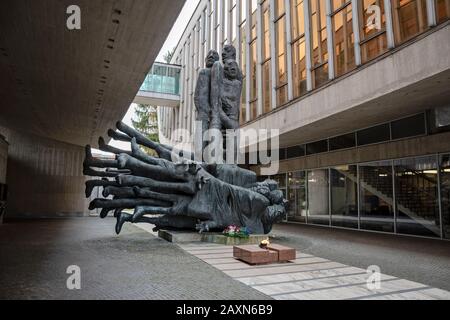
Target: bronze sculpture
x=173 y=191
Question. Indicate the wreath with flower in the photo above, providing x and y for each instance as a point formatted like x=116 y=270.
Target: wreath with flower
x=234 y=231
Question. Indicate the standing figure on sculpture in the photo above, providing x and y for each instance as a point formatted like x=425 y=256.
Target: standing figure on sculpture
x=218 y=90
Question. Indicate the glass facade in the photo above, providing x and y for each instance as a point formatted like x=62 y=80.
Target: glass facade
x=442 y=10
x=280 y=46
x=372 y=32
x=290 y=47
x=163 y=79
x=343 y=39
x=409 y=196
x=344 y=196
x=409 y=19
x=319 y=45
x=298 y=47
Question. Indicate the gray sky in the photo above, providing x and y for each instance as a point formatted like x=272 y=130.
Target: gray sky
x=171 y=42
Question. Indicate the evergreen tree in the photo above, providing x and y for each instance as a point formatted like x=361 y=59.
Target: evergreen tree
x=145 y=120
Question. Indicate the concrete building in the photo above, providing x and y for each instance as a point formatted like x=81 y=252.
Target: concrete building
x=359 y=90
x=62 y=88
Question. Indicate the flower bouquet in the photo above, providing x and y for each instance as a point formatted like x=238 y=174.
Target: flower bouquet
x=236 y=232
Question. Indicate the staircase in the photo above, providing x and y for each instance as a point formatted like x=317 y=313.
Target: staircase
x=415 y=193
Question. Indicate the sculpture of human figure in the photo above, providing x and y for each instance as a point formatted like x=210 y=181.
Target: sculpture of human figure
x=202 y=93
x=218 y=84
x=231 y=96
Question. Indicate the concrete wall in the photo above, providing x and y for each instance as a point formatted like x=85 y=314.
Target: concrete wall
x=3 y=159
x=426 y=145
x=44 y=177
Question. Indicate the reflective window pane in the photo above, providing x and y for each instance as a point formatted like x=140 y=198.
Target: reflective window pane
x=416 y=192
x=344 y=50
x=376 y=196
x=318 y=209
x=299 y=67
x=372 y=29
x=295 y=151
x=343 y=142
x=373 y=135
x=445 y=194
x=344 y=197
x=319 y=42
x=317 y=147
x=297 y=196
x=410 y=19
x=442 y=10
x=267 y=86
x=409 y=127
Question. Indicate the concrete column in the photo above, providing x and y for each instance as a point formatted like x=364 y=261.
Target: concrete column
x=248 y=31
x=431 y=13
x=259 y=34
x=238 y=30
x=290 y=76
x=355 y=22
x=273 y=53
x=330 y=45
x=214 y=20
x=389 y=24
x=306 y=11
x=230 y=21
x=208 y=25
x=222 y=21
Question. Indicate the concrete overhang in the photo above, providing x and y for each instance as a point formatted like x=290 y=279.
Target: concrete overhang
x=72 y=85
x=157 y=99
x=405 y=81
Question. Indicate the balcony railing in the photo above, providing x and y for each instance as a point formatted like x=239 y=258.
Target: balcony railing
x=163 y=78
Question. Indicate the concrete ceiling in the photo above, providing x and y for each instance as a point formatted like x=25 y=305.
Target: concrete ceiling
x=72 y=85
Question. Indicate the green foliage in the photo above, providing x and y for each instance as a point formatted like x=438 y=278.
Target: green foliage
x=145 y=120
x=168 y=55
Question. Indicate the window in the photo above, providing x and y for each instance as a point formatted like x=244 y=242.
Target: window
x=297 y=196
x=445 y=193
x=372 y=31
x=266 y=67
x=298 y=48
x=374 y=135
x=253 y=82
x=344 y=47
x=319 y=42
x=376 y=194
x=280 y=47
x=343 y=142
x=281 y=180
x=409 y=18
x=318 y=200
x=295 y=152
x=416 y=193
x=442 y=10
x=344 y=196
x=409 y=127
x=317 y=147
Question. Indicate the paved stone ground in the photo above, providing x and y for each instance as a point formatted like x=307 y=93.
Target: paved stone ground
x=34 y=255
x=421 y=260
x=312 y=278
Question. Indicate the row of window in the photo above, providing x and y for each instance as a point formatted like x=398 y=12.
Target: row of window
x=299 y=42
x=411 y=126
x=405 y=196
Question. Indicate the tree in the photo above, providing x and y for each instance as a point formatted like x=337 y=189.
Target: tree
x=145 y=120
x=168 y=55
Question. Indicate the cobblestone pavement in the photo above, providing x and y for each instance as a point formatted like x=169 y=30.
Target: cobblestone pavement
x=417 y=259
x=313 y=278
x=34 y=256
